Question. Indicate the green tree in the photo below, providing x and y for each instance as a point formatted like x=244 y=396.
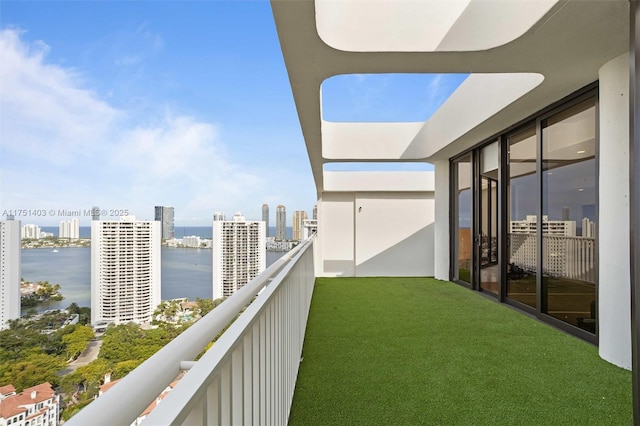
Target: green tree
x=207 y=305
x=32 y=370
x=77 y=340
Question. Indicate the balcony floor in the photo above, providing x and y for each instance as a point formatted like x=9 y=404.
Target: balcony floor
x=408 y=351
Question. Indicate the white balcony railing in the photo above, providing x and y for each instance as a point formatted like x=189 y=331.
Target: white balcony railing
x=247 y=377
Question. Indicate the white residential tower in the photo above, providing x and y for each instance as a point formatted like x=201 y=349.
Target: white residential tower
x=9 y=271
x=239 y=253
x=125 y=270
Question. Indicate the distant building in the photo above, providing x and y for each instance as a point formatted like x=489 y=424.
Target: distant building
x=10 y=271
x=69 y=229
x=299 y=216
x=309 y=227
x=218 y=216
x=165 y=216
x=38 y=405
x=125 y=270
x=31 y=232
x=265 y=217
x=281 y=223
x=239 y=253
x=277 y=245
x=315 y=212
x=191 y=241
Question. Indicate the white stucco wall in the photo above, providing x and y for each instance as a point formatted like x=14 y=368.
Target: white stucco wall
x=394 y=234
x=376 y=234
x=614 y=309
x=441 y=234
x=336 y=234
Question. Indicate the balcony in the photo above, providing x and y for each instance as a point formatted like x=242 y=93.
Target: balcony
x=376 y=351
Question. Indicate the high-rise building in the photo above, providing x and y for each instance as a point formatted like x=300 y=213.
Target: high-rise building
x=218 y=216
x=281 y=223
x=299 y=216
x=239 y=253
x=315 y=212
x=31 y=232
x=165 y=216
x=265 y=217
x=69 y=229
x=9 y=271
x=125 y=270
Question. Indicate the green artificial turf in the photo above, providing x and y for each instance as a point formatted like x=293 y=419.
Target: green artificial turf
x=416 y=351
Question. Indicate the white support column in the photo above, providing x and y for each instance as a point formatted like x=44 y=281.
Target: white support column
x=614 y=314
x=442 y=250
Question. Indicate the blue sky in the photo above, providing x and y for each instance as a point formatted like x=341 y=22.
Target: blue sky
x=128 y=105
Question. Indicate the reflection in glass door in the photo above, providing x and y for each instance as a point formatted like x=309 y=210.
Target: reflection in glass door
x=463 y=219
x=522 y=238
x=569 y=215
x=487 y=238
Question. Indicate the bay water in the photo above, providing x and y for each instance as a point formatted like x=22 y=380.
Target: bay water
x=185 y=272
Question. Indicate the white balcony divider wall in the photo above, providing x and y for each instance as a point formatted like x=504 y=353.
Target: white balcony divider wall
x=370 y=233
x=247 y=377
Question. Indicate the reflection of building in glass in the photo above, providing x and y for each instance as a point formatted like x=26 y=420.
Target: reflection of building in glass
x=239 y=253
x=551 y=227
x=564 y=254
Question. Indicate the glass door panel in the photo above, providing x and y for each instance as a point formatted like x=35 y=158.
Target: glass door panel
x=463 y=242
x=522 y=240
x=569 y=215
x=489 y=274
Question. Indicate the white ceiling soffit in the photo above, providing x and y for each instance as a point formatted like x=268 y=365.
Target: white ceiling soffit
x=479 y=97
x=361 y=181
x=425 y=25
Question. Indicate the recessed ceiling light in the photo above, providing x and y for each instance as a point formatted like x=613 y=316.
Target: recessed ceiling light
x=581 y=152
x=580 y=189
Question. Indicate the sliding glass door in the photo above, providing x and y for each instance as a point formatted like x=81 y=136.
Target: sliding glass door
x=524 y=215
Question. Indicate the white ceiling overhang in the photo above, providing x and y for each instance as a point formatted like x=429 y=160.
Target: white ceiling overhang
x=521 y=56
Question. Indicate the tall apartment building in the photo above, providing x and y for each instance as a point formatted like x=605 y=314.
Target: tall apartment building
x=239 y=253
x=218 y=216
x=69 y=229
x=265 y=217
x=9 y=271
x=125 y=270
x=299 y=216
x=31 y=231
x=281 y=223
x=164 y=215
x=315 y=212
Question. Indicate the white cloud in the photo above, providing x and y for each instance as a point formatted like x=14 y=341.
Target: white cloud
x=64 y=147
x=43 y=102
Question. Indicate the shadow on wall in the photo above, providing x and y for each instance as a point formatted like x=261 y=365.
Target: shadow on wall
x=411 y=257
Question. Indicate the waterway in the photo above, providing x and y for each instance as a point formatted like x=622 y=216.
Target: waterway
x=186 y=272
